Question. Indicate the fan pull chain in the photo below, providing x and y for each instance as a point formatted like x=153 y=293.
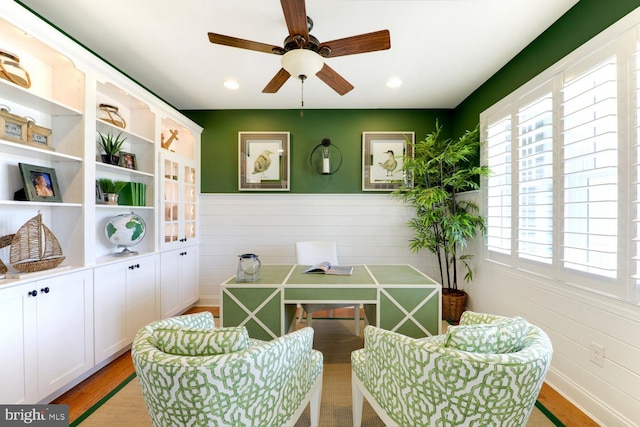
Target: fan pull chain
x=302 y=78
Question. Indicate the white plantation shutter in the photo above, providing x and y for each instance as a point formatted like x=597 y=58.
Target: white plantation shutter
x=590 y=171
x=498 y=214
x=535 y=180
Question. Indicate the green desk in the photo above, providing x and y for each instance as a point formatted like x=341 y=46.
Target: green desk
x=396 y=297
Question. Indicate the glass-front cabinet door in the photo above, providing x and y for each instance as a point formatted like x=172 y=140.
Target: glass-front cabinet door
x=180 y=195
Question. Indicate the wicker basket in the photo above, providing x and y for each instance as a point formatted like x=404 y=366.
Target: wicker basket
x=453 y=305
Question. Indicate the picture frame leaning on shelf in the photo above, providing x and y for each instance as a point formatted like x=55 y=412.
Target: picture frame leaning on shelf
x=40 y=183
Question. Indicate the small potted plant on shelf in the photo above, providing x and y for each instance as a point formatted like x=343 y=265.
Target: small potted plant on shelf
x=440 y=169
x=111 y=145
x=111 y=189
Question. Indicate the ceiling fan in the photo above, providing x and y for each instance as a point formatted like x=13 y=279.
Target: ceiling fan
x=302 y=54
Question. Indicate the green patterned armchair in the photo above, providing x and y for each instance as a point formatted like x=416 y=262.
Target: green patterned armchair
x=487 y=371
x=193 y=374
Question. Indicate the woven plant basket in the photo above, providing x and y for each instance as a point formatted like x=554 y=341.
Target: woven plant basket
x=453 y=305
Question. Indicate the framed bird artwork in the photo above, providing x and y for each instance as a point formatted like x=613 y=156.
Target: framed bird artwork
x=263 y=161
x=382 y=154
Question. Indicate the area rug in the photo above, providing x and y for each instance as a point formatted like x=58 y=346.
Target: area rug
x=124 y=407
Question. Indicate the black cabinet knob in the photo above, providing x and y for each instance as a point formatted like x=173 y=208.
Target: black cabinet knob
x=32 y=293
x=134 y=266
x=45 y=290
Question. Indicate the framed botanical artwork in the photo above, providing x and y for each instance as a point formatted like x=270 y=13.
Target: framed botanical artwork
x=40 y=183
x=263 y=161
x=382 y=154
x=127 y=160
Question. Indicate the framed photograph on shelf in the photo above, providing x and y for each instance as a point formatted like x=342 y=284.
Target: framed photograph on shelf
x=40 y=183
x=127 y=160
x=263 y=161
x=382 y=154
x=99 y=195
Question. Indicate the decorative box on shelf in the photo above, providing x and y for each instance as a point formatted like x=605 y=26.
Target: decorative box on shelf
x=23 y=130
x=38 y=136
x=12 y=127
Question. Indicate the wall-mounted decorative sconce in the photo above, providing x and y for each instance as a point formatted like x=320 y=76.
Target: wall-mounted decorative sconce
x=326 y=158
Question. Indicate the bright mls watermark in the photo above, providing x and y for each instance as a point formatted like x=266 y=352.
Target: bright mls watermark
x=34 y=415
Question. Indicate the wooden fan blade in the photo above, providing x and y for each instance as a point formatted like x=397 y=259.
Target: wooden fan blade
x=369 y=42
x=295 y=14
x=241 y=43
x=334 y=80
x=277 y=81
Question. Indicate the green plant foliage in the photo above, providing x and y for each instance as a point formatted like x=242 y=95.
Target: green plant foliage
x=440 y=169
x=111 y=144
x=109 y=186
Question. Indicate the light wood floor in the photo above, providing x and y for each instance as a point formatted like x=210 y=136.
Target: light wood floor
x=89 y=392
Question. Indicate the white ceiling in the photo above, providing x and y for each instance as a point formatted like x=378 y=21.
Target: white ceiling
x=442 y=50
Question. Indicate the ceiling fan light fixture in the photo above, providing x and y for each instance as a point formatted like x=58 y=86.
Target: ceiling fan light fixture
x=302 y=62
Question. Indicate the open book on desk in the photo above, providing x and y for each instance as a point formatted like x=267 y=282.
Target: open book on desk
x=327 y=268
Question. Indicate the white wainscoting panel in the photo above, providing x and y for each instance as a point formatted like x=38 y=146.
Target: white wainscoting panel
x=368 y=228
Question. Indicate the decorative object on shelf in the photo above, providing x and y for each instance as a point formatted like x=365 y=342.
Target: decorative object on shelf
x=322 y=155
x=248 y=268
x=133 y=194
x=4 y=242
x=100 y=200
x=166 y=144
x=382 y=159
x=125 y=231
x=111 y=145
x=12 y=70
x=127 y=160
x=263 y=161
x=34 y=247
x=107 y=113
x=111 y=189
x=444 y=222
x=40 y=184
x=38 y=136
x=12 y=127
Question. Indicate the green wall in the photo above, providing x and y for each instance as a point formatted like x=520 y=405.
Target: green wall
x=343 y=127
x=581 y=23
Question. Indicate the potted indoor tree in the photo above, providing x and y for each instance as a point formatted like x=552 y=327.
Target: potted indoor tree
x=111 y=145
x=440 y=169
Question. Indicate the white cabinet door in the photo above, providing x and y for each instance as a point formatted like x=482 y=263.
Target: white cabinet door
x=142 y=293
x=17 y=345
x=64 y=329
x=178 y=280
x=110 y=310
x=169 y=283
x=179 y=187
x=188 y=276
x=125 y=299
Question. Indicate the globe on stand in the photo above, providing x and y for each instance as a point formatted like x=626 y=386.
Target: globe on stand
x=124 y=231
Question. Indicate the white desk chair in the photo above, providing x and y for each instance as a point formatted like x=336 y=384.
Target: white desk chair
x=314 y=252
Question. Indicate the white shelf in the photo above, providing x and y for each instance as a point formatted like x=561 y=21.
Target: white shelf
x=36 y=204
x=104 y=127
x=15 y=148
x=28 y=99
x=124 y=172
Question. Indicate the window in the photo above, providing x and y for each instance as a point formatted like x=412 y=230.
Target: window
x=559 y=152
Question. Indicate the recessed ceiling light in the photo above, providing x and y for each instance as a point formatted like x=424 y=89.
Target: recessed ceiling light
x=231 y=84
x=394 y=82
